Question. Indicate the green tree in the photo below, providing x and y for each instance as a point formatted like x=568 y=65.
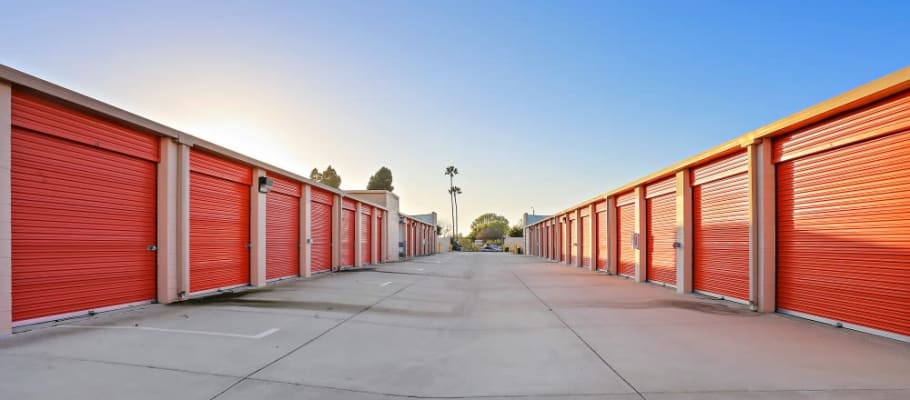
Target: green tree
x=316 y=175
x=328 y=177
x=489 y=226
x=516 y=231
x=381 y=180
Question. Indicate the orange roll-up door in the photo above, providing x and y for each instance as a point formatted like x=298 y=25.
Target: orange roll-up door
x=219 y=222
x=625 y=246
x=282 y=237
x=321 y=203
x=379 y=229
x=562 y=241
x=843 y=238
x=602 y=239
x=366 y=233
x=83 y=204
x=586 y=240
x=720 y=199
x=661 y=203
x=348 y=223
x=573 y=241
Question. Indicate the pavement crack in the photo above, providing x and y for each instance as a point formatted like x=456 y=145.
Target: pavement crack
x=602 y=359
x=126 y=364
x=417 y=396
x=315 y=338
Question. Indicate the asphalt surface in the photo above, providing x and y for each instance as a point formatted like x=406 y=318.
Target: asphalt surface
x=457 y=325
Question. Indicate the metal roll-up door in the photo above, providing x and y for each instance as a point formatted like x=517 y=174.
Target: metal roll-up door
x=561 y=240
x=842 y=221
x=661 y=203
x=602 y=240
x=83 y=212
x=625 y=242
x=321 y=203
x=282 y=238
x=573 y=241
x=720 y=199
x=219 y=222
x=366 y=234
x=381 y=251
x=348 y=223
x=586 y=241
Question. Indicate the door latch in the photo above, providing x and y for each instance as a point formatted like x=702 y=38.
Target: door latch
x=152 y=247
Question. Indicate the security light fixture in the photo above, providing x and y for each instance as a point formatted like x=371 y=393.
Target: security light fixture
x=265 y=184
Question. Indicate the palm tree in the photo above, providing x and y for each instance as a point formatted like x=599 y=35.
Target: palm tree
x=451 y=171
x=455 y=191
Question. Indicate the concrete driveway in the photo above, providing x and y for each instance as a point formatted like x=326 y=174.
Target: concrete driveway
x=451 y=326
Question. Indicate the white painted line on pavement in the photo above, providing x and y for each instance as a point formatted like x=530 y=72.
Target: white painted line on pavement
x=207 y=333
x=386 y=284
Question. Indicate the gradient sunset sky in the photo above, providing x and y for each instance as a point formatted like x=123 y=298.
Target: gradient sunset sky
x=538 y=104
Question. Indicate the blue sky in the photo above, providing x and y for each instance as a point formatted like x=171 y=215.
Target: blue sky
x=539 y=104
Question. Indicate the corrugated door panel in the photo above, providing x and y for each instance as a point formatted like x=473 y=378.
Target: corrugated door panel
x=586 y=241
x=412 y=244
x=348 y=204
x=282 y=235
x=661 y=236
x=661 y=188
x=82 y=219
x=322 y=196
x=891 y=114
x=285 y=185
x=843 y=234
x=625 y=199
x=625 y=217
x=731 y=165
x=320 y=233
x=602 y=240
x=282 y=228
x=562 y=241
x=219 y=232
x=347 y=237
x=218 y=167
x=573 y=241
x=40 y=115
x=381 y=251
x=366 y=231
x=721 y=230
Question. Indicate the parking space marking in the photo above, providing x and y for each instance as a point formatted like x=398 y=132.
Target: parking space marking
x=257 y=336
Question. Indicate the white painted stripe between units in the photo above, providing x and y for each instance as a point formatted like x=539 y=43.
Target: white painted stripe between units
x=207 y=333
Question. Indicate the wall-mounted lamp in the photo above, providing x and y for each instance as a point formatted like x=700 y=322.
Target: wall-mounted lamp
x=265 y=184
